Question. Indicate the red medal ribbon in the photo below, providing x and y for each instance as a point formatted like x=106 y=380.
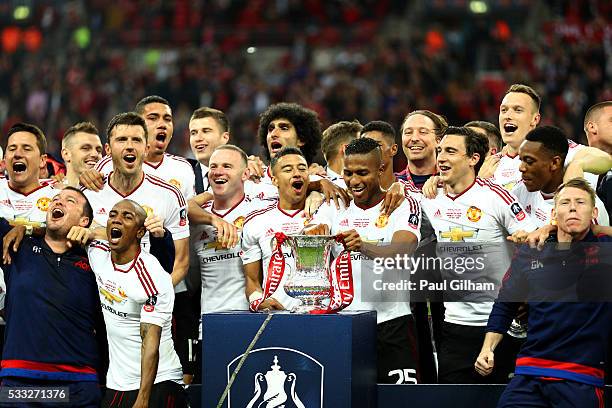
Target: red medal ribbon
x=276 y=269
x=341 y=289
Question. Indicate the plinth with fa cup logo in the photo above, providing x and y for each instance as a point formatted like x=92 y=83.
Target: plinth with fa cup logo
x=299 y=361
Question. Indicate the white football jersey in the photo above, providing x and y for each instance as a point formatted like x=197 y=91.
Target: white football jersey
x=484 y=213
x=540 y=206
x=335 y=178
x=257 y=234
x=31 y=207
x=373 y=227
x=508 y=174
x=154 y=195
x=221 y=269
x=172 y=169
x=139 y=292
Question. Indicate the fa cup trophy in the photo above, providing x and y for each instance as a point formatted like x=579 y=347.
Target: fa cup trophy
x=310 y=280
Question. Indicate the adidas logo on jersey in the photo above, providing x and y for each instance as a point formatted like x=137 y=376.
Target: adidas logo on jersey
x=344 y=222
x=270 y=232
x=101 y=211
x=438 y=214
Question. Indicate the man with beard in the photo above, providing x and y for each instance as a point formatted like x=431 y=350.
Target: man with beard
x=137 y=297
x=52 y=307
x=81 y=151
x=369 y=234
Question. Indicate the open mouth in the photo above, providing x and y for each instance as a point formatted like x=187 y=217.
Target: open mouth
x=56 y=214
x=297 y=185
x=91 y=163
x=115 y=235
x=19 y=167
x=510 y=127
x=220 y=181
x=444 y=168
x=416 y=148
x=275 y=146
x=357 y=190
x=161 y=137
x=201 y=147
x=129 y=158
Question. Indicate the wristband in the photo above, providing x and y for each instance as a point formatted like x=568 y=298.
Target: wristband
x=256 y=295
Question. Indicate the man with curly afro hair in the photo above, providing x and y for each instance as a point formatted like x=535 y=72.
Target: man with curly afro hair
x=289 y=125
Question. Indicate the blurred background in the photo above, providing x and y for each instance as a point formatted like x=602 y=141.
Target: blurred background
x=66 y=61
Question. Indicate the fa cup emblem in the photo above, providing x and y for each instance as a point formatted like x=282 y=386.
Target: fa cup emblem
x=276 y=383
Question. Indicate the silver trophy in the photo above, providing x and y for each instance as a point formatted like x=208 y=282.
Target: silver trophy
x=310 y=280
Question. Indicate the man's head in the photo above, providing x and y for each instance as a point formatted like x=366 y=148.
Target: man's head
x=336 y=137
x=125 y=225
x=363 y=168
x=208 y=128
x=228 y=171
x=519 y=112
x=490 y=131
x=157 y=114
x=69 y=208
x=127 y=139
x=575 y=207
x=81 y=147
x=290 y=174
x=289 y=125
x=460 y=154
x=384 y=134
x=542 y=157
x=421 y=132
x=25 y=156
x=598 y=126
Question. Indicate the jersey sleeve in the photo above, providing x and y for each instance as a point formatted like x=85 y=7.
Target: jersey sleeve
x=176 y=220
x=157 y=309
x=249 y=241
x=407 y=217
x=188 y=189
x=98 y=253
x=512 y=215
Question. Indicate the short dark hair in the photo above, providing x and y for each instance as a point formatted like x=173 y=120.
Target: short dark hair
x=81 y=127
x=285 y=151
x=336 y=135
x=474 y=143
x=126 y=118
x=579 y=183
x=493 y=133
x=552 y=139
x=440 y=122
x=305 y=121
x=216 y=114
x=594 y=111
x=41 y=140
x=380 y=126
x=140 y=105
x=526 y=89
x=87 y=210
x=362 y=145
x=234 y=148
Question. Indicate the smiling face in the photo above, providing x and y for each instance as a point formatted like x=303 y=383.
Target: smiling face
x=538 y=166
x=23 y=160
x=290 y=175
x=362 y=173
x=158 y=118
x=281 y=133
x=574 y=210
x=454 y=164
x=125 y=226
x=128 y=146
x=517 y=116
x=66 y=211
x=205 y=136
x=227 y=173
x=419 y=138
x=83 y=152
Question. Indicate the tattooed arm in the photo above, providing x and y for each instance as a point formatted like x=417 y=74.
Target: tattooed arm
x=150 y=335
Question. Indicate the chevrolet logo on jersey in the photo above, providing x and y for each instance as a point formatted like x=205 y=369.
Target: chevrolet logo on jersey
x=111 y=298
x=458 y=234
x=216 y=245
